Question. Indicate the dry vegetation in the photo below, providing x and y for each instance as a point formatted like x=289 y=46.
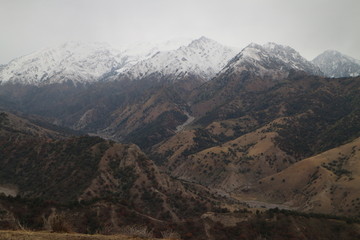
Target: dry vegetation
x=25 y=235
x=326 y=183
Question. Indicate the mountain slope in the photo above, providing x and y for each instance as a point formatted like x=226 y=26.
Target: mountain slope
x=142 y=112
x=141 y=51
x=270 y=56
x=87 y=168
x=335 y=64
x=12 y=124
x=326 y=183
x=255 y=135
x=255 y=69
x=72 y=61
x=292 y=58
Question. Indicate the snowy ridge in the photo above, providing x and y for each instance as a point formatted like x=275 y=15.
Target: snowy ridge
x=270 y=60
x=203 y=57
x=336 y=64
x=137 y=52
x=292 y=58
x=148 y=48
x=78 y=62
x=90 y=62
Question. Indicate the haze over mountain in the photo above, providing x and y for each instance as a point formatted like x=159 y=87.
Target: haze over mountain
x=91 y=62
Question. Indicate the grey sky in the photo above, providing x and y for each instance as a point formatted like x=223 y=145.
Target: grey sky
x=309 y=26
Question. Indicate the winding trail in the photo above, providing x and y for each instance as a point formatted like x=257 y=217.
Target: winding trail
x=267 y=205
x=187 y=122
x=8 y=190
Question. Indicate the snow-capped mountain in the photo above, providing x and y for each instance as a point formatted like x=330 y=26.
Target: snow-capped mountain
x=144 y=50
x=147 y=49
x=335 y=64
x=90 y=62
x=292 y=58
x=270 y=60
x=202 y=57
x=74 y=61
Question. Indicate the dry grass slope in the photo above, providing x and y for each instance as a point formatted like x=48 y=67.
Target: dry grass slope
x=326 y=183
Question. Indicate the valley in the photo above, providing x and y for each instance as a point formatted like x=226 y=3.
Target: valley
x=189 y=120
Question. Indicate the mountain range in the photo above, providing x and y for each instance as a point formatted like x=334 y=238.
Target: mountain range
x=90 y=62
x=200 y=138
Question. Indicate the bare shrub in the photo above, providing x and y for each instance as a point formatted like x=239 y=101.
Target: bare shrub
x=137 y=231
x=171 y=234
x=58 y=223
x=107 y=229
x=21 y=226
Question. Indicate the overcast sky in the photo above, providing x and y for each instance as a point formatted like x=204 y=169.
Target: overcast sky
x=309 y=26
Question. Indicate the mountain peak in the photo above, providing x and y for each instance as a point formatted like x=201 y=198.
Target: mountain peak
x=331 y=51
x=273 y=57
x=203 y=57
x=81 y=44
x=337 y=64
x=273 y=45
x=254 y=45
x=292 y=58
x=270 y=45
x=203 y=42
x=203 y=38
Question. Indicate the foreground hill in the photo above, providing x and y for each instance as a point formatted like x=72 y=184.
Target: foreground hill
x=326 y=183
x=75 y=169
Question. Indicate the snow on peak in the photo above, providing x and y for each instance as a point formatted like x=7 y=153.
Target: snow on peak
x=252 y=51
x=137 y=52
x=270 y=56
x=336 y=64
x=89 y=62
x=148 y=49
x=201 y=42
x=291 y=57
x=71 y=61
x=203 y=57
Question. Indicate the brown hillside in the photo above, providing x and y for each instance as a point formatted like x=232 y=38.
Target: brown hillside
x=326 y=183
x=69 y=170
x=237 y=164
